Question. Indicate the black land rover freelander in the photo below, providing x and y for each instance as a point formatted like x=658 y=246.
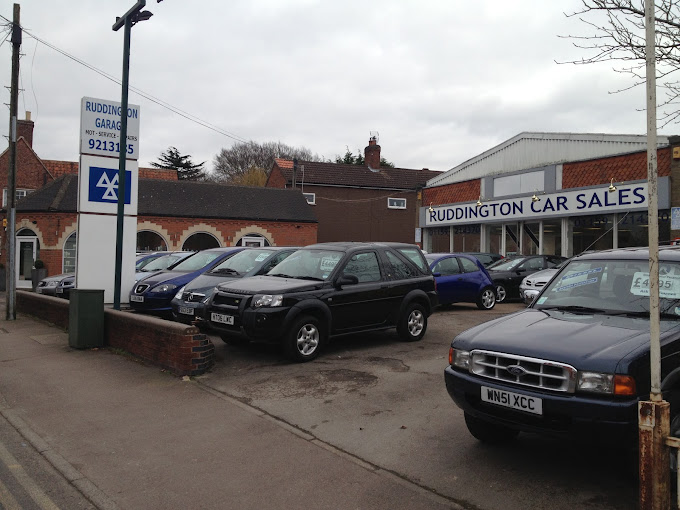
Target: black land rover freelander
x=325 y=290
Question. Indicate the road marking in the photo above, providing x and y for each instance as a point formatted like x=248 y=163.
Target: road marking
x=41 y=499
x=8 y=501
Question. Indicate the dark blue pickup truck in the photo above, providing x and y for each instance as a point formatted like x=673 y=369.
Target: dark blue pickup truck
x=576 y=361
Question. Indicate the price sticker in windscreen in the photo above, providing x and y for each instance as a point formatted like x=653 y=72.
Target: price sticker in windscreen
x=669 y=285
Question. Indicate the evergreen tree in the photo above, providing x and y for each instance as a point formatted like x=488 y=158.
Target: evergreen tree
x=186 y=169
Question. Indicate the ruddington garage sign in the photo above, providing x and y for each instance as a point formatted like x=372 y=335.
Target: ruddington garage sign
x=598 y=200
x=100 y=129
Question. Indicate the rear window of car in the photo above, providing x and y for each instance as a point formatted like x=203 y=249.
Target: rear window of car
x=401 y=269
x=468 y=265
x=415 y=256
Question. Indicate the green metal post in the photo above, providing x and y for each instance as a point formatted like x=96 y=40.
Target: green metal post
x=121 y=162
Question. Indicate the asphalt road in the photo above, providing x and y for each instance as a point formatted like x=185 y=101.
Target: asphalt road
x=28 y=481
x=384 y=402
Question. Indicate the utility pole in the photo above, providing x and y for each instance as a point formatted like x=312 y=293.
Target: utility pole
x=10 y=241
x=654 y=414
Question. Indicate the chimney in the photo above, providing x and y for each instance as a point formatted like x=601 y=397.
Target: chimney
x=372 y=153
x=25 y=129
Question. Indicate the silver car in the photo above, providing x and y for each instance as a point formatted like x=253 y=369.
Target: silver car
x=533 y=283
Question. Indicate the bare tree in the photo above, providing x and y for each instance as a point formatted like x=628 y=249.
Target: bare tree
x=619 y=36
x=230 y=164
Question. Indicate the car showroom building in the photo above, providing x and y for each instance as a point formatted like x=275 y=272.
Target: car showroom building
x=551 y=193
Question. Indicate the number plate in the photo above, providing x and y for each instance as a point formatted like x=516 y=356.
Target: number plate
x=512 y=400
x=186 y=310
x=59 y=290
x=138 y=299
x=222 y=319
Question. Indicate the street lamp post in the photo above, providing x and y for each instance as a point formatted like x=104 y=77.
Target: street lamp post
x=134 y=15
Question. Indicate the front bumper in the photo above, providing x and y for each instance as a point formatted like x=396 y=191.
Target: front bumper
x=267 y=324
x=152 y=302
x=574 y=415
x=180 y=311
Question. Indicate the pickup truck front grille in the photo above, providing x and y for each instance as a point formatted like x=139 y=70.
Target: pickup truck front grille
x=532 y=372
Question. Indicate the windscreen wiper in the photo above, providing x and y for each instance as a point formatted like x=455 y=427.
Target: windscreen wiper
x=224 y=270
x=573 y=309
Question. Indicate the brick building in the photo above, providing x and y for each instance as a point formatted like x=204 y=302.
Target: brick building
x=172 y=214
x=357 y=202
x=551 y=193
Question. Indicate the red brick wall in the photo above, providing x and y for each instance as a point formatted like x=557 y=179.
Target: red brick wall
x=59 y=168
x=276 y=178
x=465 y=191
x=176 y=347
x=627 y=167
x=31 y=174
x=50 y=228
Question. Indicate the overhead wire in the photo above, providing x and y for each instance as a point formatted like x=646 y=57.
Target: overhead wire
x=139 y=92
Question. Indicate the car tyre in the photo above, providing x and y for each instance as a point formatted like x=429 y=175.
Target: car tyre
x=486 y=299
x=413 y=324
x=501 y=293
x=489 y=433
x=304 y=339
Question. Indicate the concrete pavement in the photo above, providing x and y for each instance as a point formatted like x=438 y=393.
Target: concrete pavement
x=130 y=436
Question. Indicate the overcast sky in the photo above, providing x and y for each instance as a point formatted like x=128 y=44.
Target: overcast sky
x=440 y=80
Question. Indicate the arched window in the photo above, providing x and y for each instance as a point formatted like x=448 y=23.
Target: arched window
x=200 y=241
x=148 y=240
x=253 y=240
x=69 y=254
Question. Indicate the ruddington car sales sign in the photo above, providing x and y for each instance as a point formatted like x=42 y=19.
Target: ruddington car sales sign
x=100 y=129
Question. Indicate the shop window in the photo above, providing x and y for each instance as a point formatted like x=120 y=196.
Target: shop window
x=253 y=240
x=69 y=254
x=396 y=203
x=148 y=240
x=200 y=241
x=633 y=229
x=592 y=232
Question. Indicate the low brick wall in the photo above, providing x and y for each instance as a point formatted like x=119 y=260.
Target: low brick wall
x=182 y=349
x=47 y=308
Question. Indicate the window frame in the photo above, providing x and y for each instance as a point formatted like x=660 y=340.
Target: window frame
x=25 y=192
x=396 y=206
x=307 y=196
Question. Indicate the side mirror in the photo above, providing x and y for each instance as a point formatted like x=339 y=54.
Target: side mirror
x=346 y=279
x=436 y=275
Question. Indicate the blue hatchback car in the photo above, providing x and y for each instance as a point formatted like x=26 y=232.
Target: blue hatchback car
x=154 y=293
x=462 y=278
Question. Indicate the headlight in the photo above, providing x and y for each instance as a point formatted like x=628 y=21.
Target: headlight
x=269 y=300
x=595 y=382
x=166 y=287
x=179 y=293
x=459 y=358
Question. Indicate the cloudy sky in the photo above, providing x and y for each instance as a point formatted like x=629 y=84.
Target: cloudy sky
x=440 y=80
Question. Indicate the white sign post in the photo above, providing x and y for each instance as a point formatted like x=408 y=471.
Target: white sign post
x=98 y=177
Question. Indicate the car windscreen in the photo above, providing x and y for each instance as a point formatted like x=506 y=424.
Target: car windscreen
x=620 y=286
x=197 y=261
x=314 y=264
x=505 y=264
x=243 y=262
x=144 y=260
x=164 y=262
